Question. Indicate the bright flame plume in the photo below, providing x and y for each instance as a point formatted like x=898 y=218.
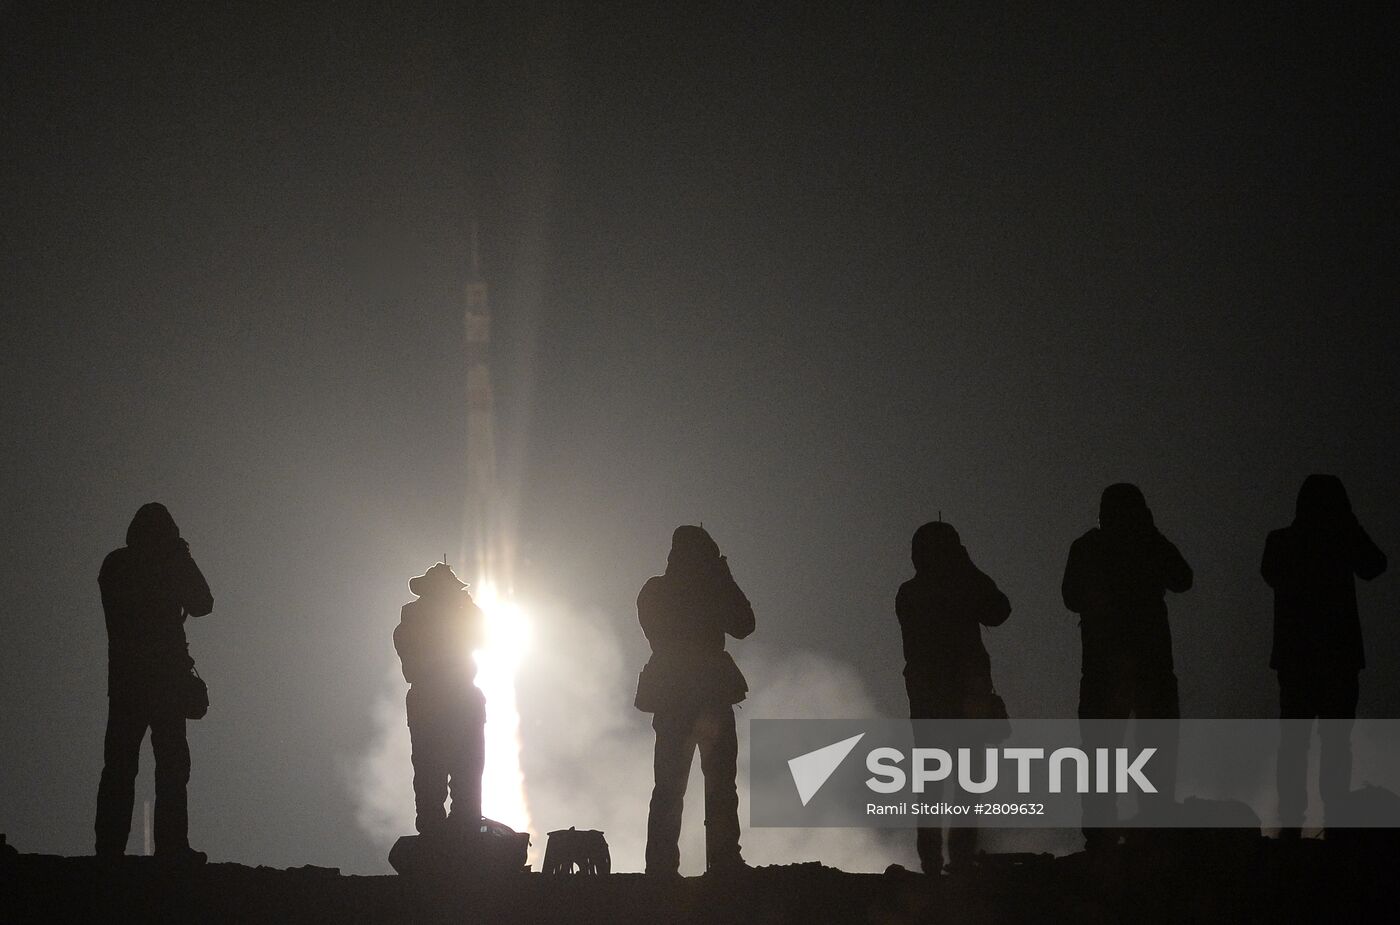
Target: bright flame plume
x=507 y=639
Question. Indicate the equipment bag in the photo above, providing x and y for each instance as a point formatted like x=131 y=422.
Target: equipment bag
x=194 y=695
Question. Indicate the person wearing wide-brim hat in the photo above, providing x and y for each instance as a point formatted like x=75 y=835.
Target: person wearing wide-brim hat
x=439 y=577
x=435 y=638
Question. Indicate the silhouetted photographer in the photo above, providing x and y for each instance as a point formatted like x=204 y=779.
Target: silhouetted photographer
x=947 y=672
x=149 y=587
x=1312 y=565
x=691 y=685
x=435 y=638
x=1116 y=579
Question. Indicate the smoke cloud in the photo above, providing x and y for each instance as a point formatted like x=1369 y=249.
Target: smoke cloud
x=382 y=779
x=586 y=751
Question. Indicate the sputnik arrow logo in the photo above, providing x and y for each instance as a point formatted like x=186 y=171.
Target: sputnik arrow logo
x=811 y=770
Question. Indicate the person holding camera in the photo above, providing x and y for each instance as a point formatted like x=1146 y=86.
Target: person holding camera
x=435 y=638
x=149 y=587
x=947 y=672
x=690 y=685
x=1312 y=565
x=1116 y=580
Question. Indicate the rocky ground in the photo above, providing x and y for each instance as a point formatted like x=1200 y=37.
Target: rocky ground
x=1178 y=877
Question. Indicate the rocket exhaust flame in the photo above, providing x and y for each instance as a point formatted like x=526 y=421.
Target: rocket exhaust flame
x=507 y=638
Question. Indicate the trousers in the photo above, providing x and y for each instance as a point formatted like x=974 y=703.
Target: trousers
x=129 y=715
x=1330 y=698
x=447 y=729
x=678 y=735
x=1110 y=698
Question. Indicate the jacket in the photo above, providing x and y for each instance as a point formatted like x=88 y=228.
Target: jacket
x=435 y=639
x=686 y=616
x=149 y=587
x=1312 y=565
x=1116 y=579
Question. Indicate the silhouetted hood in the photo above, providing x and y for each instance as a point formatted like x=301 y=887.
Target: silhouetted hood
x=438 y=578
x=152 y=526
x=691 y=548
x=1323 y=502
x=936 y=543
x=1123 y=509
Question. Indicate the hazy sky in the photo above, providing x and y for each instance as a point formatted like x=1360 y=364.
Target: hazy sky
x=807 y=278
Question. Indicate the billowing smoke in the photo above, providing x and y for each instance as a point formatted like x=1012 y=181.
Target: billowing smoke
x=586 y=751
x=382 y=779
x=807 y=685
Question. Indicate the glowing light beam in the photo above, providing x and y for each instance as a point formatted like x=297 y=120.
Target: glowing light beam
x=507 y=639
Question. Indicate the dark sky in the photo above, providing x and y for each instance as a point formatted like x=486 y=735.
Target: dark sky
x=809 y=278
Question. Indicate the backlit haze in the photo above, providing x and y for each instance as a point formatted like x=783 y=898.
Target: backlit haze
x=809 y=276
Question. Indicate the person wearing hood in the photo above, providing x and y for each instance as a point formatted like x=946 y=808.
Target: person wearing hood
x=1116 y=579
x=149 y=587
x=947 y=672
x=1312 y=565
x=435 y=639
x=690 y=685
